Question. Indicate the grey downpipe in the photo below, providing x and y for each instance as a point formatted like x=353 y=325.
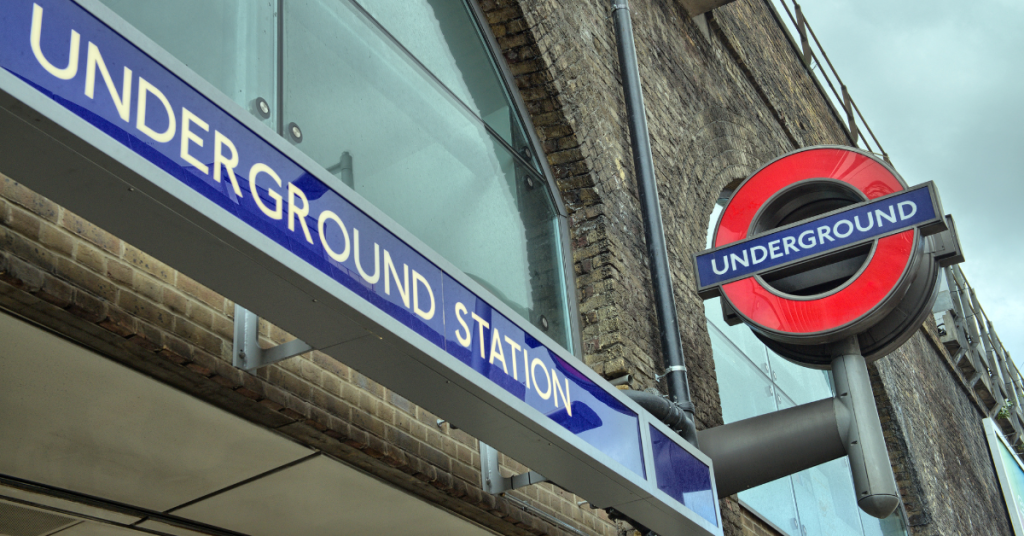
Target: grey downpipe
x=661 y=276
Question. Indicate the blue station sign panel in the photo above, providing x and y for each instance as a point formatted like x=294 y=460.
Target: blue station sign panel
x=80 y=63
x=85 y=67
x=835 y=231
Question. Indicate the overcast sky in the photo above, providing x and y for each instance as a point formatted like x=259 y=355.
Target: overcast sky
x=941 y=83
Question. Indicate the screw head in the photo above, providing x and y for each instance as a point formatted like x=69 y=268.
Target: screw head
x=529 y=182
x=525 y=152
x=261 y=107
x=295 y=132
x=543 y=322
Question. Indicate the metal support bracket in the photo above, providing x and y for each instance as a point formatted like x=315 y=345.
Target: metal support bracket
x=246 y=353
x=491 y=479
x=670 y=370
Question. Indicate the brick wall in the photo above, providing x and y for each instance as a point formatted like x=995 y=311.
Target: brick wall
x=933 y=427
x=719 y=106
x=68 y=275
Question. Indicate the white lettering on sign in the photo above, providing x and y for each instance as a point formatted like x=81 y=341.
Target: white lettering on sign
x=277 y=201
x=891 y=216
x=493 y=348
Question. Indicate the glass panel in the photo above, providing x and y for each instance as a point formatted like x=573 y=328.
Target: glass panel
x=774 y=501
x=745 y=390
x=683 y=477
x=442 y=35
x=890 y=526
x=802 y=384
x=826 y=500
x=740 y=335
x=435 y=169
x=230 y=43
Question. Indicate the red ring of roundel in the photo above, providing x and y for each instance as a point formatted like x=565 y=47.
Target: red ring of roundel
x=766 y=308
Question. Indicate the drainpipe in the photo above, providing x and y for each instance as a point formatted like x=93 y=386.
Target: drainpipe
x=661 y=277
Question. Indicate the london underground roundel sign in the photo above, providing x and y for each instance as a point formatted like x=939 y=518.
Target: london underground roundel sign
x=824 y=244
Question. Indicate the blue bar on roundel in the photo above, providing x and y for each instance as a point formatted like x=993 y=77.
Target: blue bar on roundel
x=831 y=233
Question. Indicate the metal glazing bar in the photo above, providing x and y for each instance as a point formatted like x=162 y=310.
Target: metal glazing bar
x=850 y=121
x=972 y=325
x=958 y=320
x=801 y=28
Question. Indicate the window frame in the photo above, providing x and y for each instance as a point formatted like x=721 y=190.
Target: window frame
x=569 y=273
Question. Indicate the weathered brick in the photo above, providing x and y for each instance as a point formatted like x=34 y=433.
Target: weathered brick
x=145 y=309
x=201 y=293
x=56 y=291
x=28 y=199
x=143 y=261
x=92 y=233
x=82 y=277
x=32 y=252
x=369 y=423
x=88 y=306
x=22 y=274
x=24 y=222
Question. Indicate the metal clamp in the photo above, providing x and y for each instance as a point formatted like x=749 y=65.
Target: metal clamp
x=246 y=353
x=491 y=478
x=670 y=370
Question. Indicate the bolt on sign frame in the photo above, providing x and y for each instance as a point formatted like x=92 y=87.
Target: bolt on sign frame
x=97 y=117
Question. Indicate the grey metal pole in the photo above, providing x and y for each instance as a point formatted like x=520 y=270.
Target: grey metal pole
x=869 y=459
x=647 y=188
x=760 y=449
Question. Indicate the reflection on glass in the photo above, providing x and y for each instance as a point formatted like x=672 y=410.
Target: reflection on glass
x=817 y=502
x=890 y=526
x=441 y=34
x=683 y=477
x=826 y=499
x=435 y=160
x=774 y=501
x=740 y=335
x=230 y=43
x=747 y=390
x=802 y=384
x=435 y=169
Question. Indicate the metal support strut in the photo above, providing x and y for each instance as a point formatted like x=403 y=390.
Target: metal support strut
x=247 y=354
x=490 y=476
x=754 y=451
x=865 y=445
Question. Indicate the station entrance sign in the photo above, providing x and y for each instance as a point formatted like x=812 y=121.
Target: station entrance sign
x=823 y=244
x=831 y=260
x=98 y=118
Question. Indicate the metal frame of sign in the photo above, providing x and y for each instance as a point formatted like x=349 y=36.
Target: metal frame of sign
x=56 y=152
